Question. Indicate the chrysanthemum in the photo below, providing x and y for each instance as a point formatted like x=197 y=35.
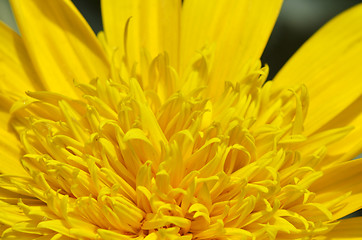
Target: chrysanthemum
x=164 y=126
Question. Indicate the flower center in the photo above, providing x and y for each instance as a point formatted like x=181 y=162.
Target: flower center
x=142 y=157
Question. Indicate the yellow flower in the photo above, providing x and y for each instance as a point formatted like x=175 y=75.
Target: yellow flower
x=164 y=127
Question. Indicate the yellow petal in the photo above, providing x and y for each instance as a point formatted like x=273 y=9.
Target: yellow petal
x=347 y=229
x=148 y=119
x=112 y=234
x=340 y=151
x=238 y=31
x=60 y=43
x=16 y=76
x=153 y=25
x=11 y=214
x=10 y=154
x=16 y=70
x=329 y=64
x=343 y=178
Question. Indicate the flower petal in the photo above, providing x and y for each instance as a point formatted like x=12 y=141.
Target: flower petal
x=153 y=25
x=343 y=150
x=16 y=70
x=237 y=30
x=329 y=64
x=347 y=229
x=10 y=154
x=10 y=214
x=60 y=43
x=338 y=180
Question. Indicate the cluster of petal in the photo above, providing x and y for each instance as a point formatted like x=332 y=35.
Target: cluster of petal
x=155 y=140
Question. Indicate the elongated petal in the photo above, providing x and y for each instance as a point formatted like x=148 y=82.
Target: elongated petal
x=16 y=70
x=337 y=181
x=153 y=25
x=330 y=65
x=236 y=30
x=16 y=76
x=347 y=229
x=10 y=154
x=343 y=150
x=60 y=43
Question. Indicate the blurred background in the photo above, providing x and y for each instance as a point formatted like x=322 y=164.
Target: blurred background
x=297 y=21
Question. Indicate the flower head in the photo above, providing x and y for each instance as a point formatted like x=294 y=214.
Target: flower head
x=164 y=127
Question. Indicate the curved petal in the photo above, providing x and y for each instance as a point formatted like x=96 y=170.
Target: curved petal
x=17 y=75
x=347 y=229
x=237 y=31
x=16 y=70
x=350 y=146
x=344 y=182
x=60 y=43
x=329 y=64
x=10 y=151
x=153 y=25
